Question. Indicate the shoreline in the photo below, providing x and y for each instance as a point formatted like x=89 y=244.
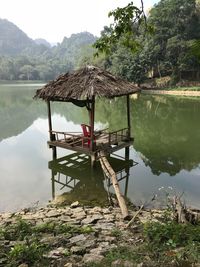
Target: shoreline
x=90 y=232
x=171 y=92
x=76 y=235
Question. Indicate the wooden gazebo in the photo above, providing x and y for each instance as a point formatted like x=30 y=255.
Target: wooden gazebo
x=81 y=88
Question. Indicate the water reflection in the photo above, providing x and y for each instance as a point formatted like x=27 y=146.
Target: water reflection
x=73 y=176
x=167 y=138
x=167 y=133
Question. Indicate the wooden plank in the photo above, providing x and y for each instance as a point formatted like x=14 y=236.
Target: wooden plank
x=109 y=172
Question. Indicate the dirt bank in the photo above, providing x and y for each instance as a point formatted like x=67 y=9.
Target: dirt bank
x=170 y=92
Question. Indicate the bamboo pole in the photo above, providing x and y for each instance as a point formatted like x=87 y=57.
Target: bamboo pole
x=109 y=172
x=128 y=116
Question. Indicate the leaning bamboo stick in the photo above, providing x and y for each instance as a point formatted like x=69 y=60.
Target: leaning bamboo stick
x=108 y=170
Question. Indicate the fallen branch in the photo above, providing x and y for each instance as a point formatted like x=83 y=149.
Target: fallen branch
x=135 y=216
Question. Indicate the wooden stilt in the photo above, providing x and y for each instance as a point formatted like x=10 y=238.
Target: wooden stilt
x=51 y=136
x=54 y=152
x=49 y=120
x=93 y=160
x=92 y=111
x=53 y=184
x=109 y=172
x=128 y=116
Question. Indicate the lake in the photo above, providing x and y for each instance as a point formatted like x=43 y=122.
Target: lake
x=164 y=158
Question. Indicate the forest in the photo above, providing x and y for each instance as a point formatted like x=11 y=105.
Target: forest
x=168 y=51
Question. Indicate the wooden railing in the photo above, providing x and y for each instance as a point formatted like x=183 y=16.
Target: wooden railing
x=77 y=138
x=69 y=137
x=118 y=136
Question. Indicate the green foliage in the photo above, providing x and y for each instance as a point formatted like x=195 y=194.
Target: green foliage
x=116 y=232
x=163 y=244
x=122 y=253
x=27 y=246
x=159 y=45
x=195 y=48
x=124 y=30
x=170 y=235
x=17 y=231
x=132 y=67
x=55 y=228
x=26 y=253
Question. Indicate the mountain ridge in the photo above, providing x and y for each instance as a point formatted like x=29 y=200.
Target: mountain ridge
x=22 y=58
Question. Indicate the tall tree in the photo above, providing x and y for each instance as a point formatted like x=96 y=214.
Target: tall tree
x=172 y=24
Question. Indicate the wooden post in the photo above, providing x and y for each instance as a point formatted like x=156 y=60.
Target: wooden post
x=52 y=137
x=49 y=120
x=128 y=116
x=53 y=184
x=92 y=113
x=93 y=160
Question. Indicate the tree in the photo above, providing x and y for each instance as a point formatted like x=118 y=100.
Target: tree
x=172 y=25
x=27 y=72
x=175 y=23
x=125 y=29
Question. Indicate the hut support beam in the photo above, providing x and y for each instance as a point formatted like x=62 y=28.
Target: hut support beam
x=91 y=118
x=52 y=137
x=128 y=116
x=53 y=184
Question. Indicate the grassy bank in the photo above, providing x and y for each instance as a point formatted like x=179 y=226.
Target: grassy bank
x=85 y=236
x=159 y=244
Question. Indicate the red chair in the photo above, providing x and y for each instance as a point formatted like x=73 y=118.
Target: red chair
x=86 y=133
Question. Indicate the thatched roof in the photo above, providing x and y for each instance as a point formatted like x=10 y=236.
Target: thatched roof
x=84 y=84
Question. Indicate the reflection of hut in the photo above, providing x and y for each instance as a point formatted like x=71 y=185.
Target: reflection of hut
x=73 y=174
x=81 y=88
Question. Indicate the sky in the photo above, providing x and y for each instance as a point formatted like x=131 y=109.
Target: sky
x=54 y=19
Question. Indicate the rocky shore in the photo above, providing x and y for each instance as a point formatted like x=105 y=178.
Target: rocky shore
x=75 y=235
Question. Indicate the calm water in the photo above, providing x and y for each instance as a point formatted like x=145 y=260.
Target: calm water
x=166 y=151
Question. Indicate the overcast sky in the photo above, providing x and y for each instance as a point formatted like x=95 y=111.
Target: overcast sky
x=54 y=19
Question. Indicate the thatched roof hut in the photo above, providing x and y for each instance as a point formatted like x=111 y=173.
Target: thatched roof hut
x=81 y=88
x=84 y=84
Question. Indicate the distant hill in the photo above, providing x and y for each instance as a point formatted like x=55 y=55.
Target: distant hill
x=22 y=58
x=13 y=40
x=41 y=41
x=71 y=48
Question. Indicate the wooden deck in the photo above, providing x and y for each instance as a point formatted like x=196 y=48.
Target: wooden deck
x=104 y=141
